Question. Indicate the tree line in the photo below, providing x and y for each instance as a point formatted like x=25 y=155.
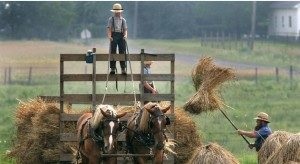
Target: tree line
x=56 y=20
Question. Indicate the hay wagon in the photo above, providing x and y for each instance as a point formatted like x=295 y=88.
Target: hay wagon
x=67 y=100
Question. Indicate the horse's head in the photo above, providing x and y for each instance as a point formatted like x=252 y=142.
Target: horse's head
x=157 y=123
x=109 y=126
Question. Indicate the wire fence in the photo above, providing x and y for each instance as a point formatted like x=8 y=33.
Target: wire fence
x=50 y=75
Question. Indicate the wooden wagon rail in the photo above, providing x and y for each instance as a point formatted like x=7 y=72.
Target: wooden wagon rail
x=113 y=99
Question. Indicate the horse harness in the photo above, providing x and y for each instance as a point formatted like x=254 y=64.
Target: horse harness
x=95 y=134
x=147 y=138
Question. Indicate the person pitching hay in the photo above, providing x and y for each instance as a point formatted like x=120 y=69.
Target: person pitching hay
x=261 y=131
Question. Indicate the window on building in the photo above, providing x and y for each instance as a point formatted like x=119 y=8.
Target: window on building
x=282 y=21
x=290 y=21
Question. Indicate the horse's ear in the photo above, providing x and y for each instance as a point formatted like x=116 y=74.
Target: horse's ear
x=121 y=115
x=149 y=110
x=104 y=113
x=166 y=109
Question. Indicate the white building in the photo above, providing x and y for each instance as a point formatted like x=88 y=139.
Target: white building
x=285 y=19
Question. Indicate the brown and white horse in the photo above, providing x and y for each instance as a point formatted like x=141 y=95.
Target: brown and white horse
x=97 y=134
x=146 y=133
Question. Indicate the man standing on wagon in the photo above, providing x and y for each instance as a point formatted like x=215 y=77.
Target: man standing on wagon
x=117 y=33
x=261 y=130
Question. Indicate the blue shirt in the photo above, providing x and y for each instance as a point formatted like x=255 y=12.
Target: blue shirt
x=261 y=135
x=147 y=71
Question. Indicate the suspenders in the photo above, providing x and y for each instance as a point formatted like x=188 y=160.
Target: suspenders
x=113 y=24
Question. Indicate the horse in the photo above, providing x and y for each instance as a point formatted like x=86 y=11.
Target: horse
x=145 y=132
x=96 y=134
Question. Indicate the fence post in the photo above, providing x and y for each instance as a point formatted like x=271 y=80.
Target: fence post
x=217 y=44
x=256 y=74
x=205 y=38
x=277 y=74
x=223 y=39
x=291 y=76
x=229 y=40
x=29 y=75
x=9 y=75
x=5 y=75
x=211 y=39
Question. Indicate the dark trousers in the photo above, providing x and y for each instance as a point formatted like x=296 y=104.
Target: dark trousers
x=146 y=90
x=118 y=41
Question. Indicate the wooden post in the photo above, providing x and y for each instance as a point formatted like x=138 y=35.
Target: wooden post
x=9 y=75
x=223 y=39
x=61 y=94
x=256 y=75
x=142 y=77
x=5 y=75
x=217 y=45
x=229 y=40
x=291 y=76
x=211 y=39
x=277 y=74
x=29 y=75
x=172 y=85
x=94 y=80
x=205 y=38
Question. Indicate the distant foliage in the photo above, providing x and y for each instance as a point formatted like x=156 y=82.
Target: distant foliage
x=56 y=20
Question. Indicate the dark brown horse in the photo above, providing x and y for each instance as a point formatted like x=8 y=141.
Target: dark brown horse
x=97 y=134
x=146 y=132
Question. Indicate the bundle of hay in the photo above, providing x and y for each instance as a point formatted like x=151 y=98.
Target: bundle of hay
x=212 y=154
x=37 y=138
x=288 y=153
x=207 y=77
x=272 y=144
x=187 y=138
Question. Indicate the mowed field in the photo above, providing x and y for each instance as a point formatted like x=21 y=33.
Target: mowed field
x=245 y=96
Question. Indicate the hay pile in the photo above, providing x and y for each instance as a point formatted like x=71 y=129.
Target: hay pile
x=212 y=154
x=288 y=153
x=207 y=77
x=272 y=144
x=37 y=135
x=187 y=138
x=37 y=138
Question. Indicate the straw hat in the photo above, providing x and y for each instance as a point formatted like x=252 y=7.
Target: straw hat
x=148 y=62
x=262 y=116
x=117 y=8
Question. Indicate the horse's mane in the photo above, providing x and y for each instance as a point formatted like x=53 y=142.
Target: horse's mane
x=97 y=117
x=143 y=124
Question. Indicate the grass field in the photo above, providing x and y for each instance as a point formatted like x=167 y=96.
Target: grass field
x=280 y=100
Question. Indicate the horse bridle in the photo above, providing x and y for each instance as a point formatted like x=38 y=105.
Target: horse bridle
x=99 y=137
x=151 y=124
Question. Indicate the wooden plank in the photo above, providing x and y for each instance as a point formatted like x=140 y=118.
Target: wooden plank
x=50 y=98
x=69 y=117
x=75 y=117
x=68 y=137
x=159 y=97
x=66 y=157
x=102 y=77
x=119 y=57
x=115 y=99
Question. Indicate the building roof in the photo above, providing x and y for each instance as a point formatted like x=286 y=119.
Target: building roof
x=285 y=5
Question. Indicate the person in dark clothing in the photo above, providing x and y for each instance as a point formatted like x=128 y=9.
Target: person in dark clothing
x=261 y=131
x=117 y=33
x=149 y=86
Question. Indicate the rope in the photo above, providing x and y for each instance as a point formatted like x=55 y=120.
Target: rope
x=107 y=73
x=134 y=94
